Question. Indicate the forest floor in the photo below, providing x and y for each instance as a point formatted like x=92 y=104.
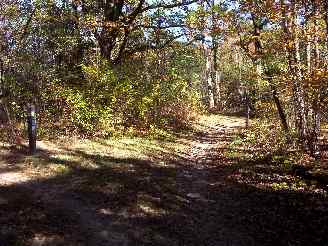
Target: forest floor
x=193 y=189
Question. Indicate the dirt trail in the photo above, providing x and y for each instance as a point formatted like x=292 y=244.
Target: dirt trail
x=193 y=200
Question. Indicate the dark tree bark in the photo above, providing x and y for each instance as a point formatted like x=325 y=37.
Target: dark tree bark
x=117 y=25
x=111 y=30
x=281 y=112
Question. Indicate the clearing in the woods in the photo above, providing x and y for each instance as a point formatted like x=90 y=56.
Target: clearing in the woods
x=193 y=189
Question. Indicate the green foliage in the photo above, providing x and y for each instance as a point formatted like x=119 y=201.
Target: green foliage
x=265 y=138
x=105 y=103
x=236 y=141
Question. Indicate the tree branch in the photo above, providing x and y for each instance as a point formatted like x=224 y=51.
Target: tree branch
x=131 y=17
x=161 y=27
x=153 y=47
x=169 y=6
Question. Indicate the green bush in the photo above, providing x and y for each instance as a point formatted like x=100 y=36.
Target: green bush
x=105 y=103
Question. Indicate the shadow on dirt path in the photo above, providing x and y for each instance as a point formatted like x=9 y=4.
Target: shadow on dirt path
x=190 y=199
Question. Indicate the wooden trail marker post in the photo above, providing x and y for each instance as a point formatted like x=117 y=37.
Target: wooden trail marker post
x=31 y=128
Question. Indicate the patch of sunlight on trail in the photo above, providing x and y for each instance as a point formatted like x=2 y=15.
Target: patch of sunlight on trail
x=212 y=120
x=12 y=178
x=60 y=158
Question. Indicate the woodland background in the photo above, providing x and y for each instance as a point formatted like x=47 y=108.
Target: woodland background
x=174 y=122
x=104 y=68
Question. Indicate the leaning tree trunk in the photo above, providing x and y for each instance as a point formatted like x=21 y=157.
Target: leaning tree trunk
x=259 y=69
x=281 y=112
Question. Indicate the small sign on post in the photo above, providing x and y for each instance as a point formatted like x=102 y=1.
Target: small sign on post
x=31 y=128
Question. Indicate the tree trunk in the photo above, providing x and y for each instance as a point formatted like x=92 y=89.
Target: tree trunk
x=282 y=115
x=316 y=102
x=308 y=54
x=4 y=113
x=208 y=77
x=214 y=72
x=111 y=31
x=259 y=70
x=290 y=27
x=218 y=89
